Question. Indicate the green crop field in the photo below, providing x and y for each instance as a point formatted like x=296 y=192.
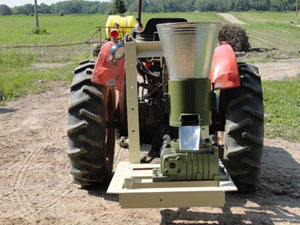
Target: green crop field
x=16 y=30
x=273 y=30
x=21 y=73
x=266 y=29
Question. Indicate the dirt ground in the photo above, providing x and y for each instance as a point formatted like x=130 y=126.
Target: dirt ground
x=279 y=70
x=230 y=18
x=36 y=188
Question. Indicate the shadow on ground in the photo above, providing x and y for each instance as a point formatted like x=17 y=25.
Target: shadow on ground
x=278 y=191
x=273 y=203
x=4 y=110
x=101 y=192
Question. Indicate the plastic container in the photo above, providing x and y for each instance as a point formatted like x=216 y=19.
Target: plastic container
x=126 y=24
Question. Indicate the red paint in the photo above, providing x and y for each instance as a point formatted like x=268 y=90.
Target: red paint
x=106 y=72
x=148 y=65
x=224 y=72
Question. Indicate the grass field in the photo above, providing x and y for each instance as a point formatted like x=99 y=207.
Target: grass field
x=265 y=29
x=17 y=71
x=20 y=75
x=15 y=30
x=282 y=108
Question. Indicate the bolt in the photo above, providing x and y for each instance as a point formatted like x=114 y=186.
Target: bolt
x=172 y=165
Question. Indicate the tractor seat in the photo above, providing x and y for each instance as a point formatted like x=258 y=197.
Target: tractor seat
x=150 y=31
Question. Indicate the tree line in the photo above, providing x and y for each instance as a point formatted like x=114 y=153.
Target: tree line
x=152 y=6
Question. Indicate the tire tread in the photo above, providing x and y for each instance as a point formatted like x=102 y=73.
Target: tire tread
x=86 y=128
x=244 y=129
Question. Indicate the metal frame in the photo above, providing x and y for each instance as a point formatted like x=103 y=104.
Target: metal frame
x=133 y=183
x=132 y=180
x=135 y=50
x=132 y=102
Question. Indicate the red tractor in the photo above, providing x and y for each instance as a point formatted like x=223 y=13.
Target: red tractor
x=144 y=85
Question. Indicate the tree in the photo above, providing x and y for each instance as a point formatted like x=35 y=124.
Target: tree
x=118 y=7
x=44 y=9
x=25 y=9
x=4 y=10
x=150 y=6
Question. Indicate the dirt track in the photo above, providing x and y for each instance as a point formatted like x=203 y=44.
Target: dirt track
x=279 y=70
x=230 y=18
x=36 y=188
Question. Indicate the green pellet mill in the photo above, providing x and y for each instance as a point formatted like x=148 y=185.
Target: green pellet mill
x=190 y=173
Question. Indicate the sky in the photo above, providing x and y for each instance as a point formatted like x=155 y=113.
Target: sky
x=12 y=3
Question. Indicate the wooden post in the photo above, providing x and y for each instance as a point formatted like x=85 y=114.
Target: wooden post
x=226 y=5
x=36 y=14
x=297 y=8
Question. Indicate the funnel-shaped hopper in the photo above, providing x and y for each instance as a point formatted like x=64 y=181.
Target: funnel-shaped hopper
x=188 y=48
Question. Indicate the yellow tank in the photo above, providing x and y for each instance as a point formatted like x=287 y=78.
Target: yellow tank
x=124 y=24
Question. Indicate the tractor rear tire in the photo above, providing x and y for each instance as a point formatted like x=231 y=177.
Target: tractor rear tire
x=244 y=129
x=96 y=49
x=91 y=145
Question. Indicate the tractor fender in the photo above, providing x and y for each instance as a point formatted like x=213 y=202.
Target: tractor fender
x=224 y=72
x=108 y=72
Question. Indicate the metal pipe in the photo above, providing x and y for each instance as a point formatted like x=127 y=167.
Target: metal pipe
x=139 y=19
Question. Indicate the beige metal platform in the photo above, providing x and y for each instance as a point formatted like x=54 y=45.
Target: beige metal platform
x=133 y=183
